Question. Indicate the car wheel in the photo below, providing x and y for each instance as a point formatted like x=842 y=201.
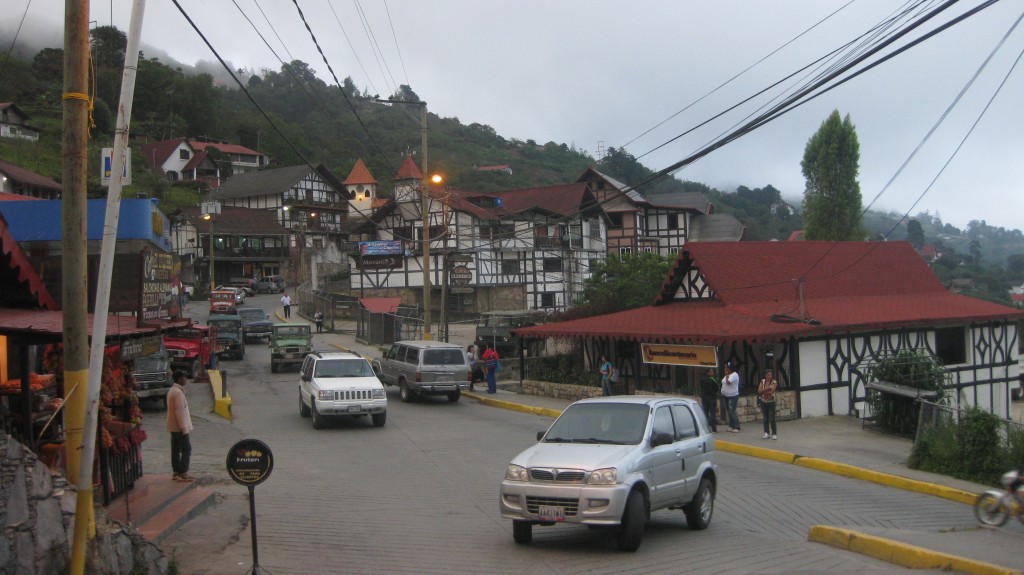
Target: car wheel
x=379 y=419
x=193 y=369
x=631 y=530
x=404 y=392
x=454 y=396
x=318 y=420
x=273 y=367
x=522 y=532
x=303 y=408
x=698 y=511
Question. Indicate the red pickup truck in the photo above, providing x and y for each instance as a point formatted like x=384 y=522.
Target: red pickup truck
x=191 y=348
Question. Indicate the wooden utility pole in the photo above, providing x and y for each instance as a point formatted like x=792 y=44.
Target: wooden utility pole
x=75 y=104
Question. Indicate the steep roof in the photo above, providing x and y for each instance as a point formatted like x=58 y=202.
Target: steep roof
x=156 y=153
x=28 y=177
x=559 y=200
x=359 y=175
x=846 y=287
x=715 y=228
x=240 y=221
x=224 y=147
x=409 y=170
x=263 y=182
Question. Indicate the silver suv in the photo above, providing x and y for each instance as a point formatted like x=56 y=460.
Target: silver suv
x=340 y=383
x=610 y=462
x=422 y=367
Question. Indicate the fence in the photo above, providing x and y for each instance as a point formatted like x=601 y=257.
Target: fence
x=935 y=415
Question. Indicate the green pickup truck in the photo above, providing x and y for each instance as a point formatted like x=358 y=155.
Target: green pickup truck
x=289 y=344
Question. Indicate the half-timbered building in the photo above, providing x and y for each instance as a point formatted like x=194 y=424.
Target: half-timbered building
x=818 y=313
x=659 y=224
x=519 y=249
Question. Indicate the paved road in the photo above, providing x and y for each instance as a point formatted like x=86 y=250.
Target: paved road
x=420 y=496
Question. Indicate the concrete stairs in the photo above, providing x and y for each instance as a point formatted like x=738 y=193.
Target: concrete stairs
x=158 y=506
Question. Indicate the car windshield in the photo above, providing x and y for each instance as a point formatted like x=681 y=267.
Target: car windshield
x=444 y=357
x=291 y=331
x=224 y=325
x=617 y=423
x=252 y=314
x=342 y=368
x=151 y=363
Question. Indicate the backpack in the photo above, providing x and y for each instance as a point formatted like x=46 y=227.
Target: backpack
x=614 y=375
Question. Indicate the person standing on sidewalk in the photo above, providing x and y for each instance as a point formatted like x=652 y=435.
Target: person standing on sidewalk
x=766 y=399
x=318 y=317
x=709 y=390
x=286 y=302
x=606 y=368
x=490 y=358
x=179 y=423
x=731 y=395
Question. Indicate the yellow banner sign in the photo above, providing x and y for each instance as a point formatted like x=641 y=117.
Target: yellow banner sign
x=695 y=355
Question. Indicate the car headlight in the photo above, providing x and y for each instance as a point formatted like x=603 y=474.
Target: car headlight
x=378 y=393
x=325 y=394
x=606 y=476
x=516 y=473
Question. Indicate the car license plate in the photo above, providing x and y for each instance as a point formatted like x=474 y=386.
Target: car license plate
x=355 y=408
x=551 y=513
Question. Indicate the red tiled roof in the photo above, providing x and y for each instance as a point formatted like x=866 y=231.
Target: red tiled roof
x=33 y=322
x=502 y=167
x=156 y=153
x=795 y=236
x=359 y=175
x=28 y=177
x=21 y=282
x=7 y=197
x=409 y=170
x=239 y=221
x=559 y=200
x=847 y=287
x=1017 y=297
x=226 y=148
x=197 y=159
x=380 y=304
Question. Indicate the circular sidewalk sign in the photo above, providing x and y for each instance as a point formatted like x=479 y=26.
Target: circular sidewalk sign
x=250 y=462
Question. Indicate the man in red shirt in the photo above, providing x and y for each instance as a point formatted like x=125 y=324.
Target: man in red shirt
x=490 y=358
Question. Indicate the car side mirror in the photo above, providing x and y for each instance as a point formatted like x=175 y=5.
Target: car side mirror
x=540 y=435
x=305 y=377
x=661 y=438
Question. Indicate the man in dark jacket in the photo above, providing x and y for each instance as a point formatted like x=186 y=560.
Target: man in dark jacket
x=709 y=390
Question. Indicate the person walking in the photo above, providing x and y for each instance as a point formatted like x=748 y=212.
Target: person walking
x=607 y=368
x=474 y=369
x=179 y=424
x=318 y=317
x=731 y=396
x=766 y=399
x=709 y=390
x=491 y=358
x=286 y=302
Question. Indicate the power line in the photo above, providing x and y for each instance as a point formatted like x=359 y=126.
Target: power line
x=344 y=33
x=14 y=40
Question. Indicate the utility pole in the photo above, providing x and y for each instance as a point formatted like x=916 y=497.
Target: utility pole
x=425 y=197
x=74 y=267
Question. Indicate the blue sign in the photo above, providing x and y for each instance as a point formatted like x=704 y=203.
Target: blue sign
x=381 y=248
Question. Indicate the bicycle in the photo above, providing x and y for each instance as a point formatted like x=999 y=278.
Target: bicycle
x=995 y=507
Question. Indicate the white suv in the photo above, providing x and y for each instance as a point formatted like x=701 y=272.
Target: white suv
x=612 y=461
x=340 y=383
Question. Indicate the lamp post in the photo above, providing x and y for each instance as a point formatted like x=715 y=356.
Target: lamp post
x=210 y=209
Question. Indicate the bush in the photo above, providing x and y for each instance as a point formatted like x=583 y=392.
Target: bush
x=972 y=449
x=565 y=368
x=910 y=369
x=981 y=456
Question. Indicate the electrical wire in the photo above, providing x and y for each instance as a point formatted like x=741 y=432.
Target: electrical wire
x=397 y=47
x=14 y=41
x=344 y=33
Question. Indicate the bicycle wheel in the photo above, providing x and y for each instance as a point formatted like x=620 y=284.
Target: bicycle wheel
x=990 y=510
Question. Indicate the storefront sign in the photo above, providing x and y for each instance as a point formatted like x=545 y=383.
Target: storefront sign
x=379 y=262
x=381 y=248
x=140 y=347
x=250 y=462
x=460 y=275
x=159 y=300
x=695 y=355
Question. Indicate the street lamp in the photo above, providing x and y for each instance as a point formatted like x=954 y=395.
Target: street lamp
x=209 y=210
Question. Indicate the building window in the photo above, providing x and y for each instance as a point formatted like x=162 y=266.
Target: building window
x=616 y=220
x=509 y=267
x=625 y=250
x=673 y=221
x=595 y=229
x=547 y=299
x=552 y=264
x=183 y=154
x=951 y=345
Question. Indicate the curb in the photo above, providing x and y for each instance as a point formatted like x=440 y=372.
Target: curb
x=902 y=554
x=846 y=470
x=546 y=412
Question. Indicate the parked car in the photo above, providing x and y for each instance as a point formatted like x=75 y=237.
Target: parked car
x=611 y=462
x=152 y=375
x=229 y=335
x=256 y=323
x=246 y=284
x=425 y=368
x=239 y=293
x=191 y=348
x=289 y=345
x=340 y=383
x=270 y=284
x=223 y=302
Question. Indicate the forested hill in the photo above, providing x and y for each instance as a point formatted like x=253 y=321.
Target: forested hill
x=335 y=125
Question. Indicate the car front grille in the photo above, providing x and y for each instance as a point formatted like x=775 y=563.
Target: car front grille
x=176 y=352
x=295 y=349
x=557 y=475
x=149 y=377
x=353 y=394
x=570 y=506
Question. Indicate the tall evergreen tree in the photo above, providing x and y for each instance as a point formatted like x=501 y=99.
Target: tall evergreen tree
x=832 y=202
x=915 y=234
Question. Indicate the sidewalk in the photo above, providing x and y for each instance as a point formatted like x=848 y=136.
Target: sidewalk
x=833 y=444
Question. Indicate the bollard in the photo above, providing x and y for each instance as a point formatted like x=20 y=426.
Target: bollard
x=223 y=384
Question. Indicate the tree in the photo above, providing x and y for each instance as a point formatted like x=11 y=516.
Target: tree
x=915 y=234
x=625 y=282
x=108 y=46
x=832 y=201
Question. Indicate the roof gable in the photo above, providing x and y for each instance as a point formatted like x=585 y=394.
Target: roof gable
x=28 y=177
x=263 y=182
x=409 y=170
x=359 y=175
x=157 y=153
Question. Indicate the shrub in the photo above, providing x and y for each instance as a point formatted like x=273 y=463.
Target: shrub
x=981 y=456
x=910 y=369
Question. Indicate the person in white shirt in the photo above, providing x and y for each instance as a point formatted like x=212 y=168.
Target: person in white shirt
x=286 y=302
x=731 y=395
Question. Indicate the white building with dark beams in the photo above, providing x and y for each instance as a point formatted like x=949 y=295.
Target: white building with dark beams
x=661 y=223
x=528 y=248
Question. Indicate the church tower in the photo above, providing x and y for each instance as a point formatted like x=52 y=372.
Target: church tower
x=362 y=191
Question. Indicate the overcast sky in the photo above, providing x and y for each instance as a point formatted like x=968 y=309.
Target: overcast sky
x=596 y=73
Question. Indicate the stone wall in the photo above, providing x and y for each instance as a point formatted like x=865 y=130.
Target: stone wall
x=746 y=408
x=37 y=515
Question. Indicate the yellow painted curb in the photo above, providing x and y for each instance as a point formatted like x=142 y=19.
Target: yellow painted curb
x=902 y=554
x=221 y=402
x=750 y=450
x=546 y=412
x=950 y=493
